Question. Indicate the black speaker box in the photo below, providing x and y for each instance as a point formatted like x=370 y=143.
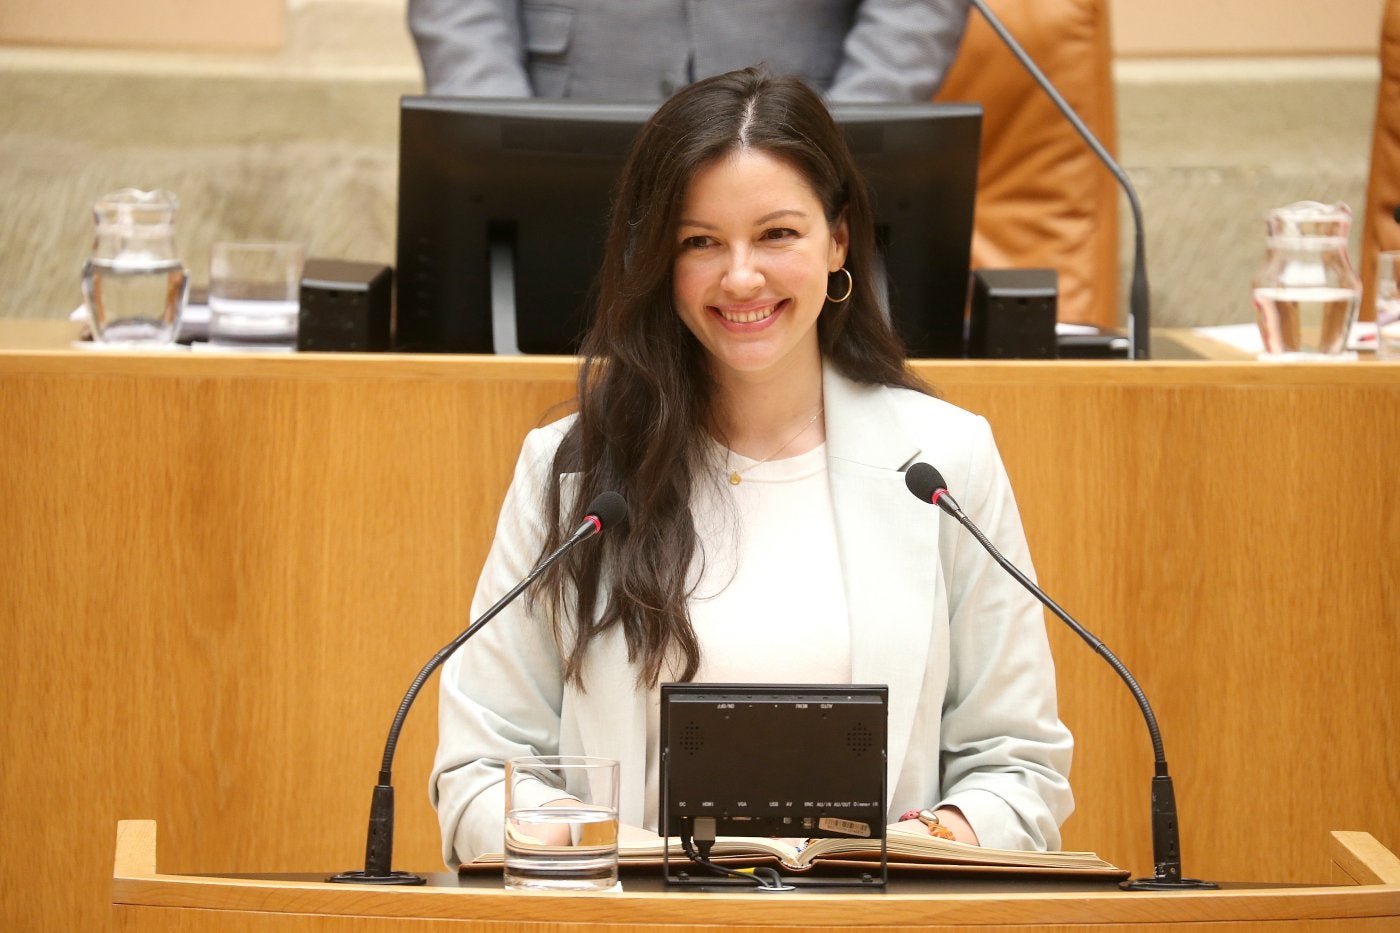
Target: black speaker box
x=345 y=306
x=1013 y=314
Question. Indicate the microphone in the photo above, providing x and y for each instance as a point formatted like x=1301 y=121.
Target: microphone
x=606 y=510
x=1139 y=313
x=926 y=483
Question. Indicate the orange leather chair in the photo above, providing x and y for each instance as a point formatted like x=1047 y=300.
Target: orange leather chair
x=1043 y=199
x=1379 y=231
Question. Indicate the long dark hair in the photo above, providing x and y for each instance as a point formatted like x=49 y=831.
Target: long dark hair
x=644 y=389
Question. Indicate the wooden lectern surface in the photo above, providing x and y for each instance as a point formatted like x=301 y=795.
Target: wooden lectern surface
x=147 y=901
x=218 y=575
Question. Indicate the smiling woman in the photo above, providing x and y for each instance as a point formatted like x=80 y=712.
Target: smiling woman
x=742 y=389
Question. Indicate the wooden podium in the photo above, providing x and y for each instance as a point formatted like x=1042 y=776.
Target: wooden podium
x=1364 y=896
x=219 y=573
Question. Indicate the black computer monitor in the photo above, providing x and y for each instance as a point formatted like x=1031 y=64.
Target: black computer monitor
x=503 y=206
x=803 y=760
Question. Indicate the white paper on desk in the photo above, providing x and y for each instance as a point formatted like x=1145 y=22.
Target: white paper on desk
x=97 y=346
x=1247 y=339
x=194 y=321
x=1362 y=336
x=194 y=314
x=1062 y=328
x=1242 y=337
x=204 y=346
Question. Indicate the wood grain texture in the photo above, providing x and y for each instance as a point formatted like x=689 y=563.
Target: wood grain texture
x=136 y=848
x=151 y=901
x=159 y=904
x=221 y=573
x=1363 y=859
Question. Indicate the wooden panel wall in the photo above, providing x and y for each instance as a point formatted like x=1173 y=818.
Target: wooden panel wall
x=1245 y=27
x=194 y=25
x=218 y=576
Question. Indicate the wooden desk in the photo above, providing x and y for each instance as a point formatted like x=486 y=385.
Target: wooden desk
x=146 y=900
x=220 y=574
x=55 y=334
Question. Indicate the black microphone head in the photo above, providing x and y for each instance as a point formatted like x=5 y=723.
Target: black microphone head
x=924 y=480
x=609 y=508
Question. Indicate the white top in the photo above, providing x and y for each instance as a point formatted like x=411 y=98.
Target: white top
x=777 y=524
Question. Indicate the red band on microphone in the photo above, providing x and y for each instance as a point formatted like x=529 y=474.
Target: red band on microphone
x=937 y=493
x=597 y=525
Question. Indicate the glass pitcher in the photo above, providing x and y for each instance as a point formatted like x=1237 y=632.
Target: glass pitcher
x=134 y=285
x=1307 y=293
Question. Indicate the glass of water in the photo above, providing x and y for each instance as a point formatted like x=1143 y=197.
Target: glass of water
x=134 y=285
x=254 y=294
x=1306 y=295
x=1387 y=306
x=561 y=823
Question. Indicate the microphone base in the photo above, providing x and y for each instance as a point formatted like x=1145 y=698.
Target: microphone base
x=364 y=877
x=1164 y=884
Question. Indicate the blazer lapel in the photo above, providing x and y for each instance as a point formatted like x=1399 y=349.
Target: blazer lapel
x=884 y=542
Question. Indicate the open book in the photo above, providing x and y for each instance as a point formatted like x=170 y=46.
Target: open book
x=906 y=850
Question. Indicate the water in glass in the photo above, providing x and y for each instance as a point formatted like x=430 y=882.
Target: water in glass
x=1307 y=293
x=561 y=848
x=1300 y=321
x=134 y=303
x=134 y=284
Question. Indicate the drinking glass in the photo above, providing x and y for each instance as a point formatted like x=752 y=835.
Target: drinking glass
x=134 y=285
x=254 y=294
x=1307 y=293
x=1387 y=306
x=561 y=823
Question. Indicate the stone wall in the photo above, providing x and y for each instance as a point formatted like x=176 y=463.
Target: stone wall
x=1212 y=144
x=302 y=144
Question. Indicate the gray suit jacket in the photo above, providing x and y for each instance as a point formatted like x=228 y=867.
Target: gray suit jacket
x=853 y=50
x=973 y=721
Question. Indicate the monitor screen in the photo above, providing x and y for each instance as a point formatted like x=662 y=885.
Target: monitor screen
x=805 y=760
x=503 y=211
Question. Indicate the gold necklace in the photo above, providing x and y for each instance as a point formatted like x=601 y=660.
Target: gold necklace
x=737 y=476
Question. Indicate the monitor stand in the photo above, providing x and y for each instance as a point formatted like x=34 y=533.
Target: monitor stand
x=504 y=341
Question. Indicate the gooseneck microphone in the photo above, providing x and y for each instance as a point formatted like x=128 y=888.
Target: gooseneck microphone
x=1139 y=312
x=927 y=484
x=606 y=510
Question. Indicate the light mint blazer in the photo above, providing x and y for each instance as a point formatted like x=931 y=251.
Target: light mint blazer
x=973 y=720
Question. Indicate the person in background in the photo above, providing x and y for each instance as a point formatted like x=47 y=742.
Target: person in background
x=852 y=50
x=741 y=389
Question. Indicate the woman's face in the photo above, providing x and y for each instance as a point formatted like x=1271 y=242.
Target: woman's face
x=754 y=254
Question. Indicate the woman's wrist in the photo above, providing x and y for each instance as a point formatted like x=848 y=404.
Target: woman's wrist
x=943 y=823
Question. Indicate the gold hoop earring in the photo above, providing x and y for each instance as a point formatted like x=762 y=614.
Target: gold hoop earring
x=850 y=287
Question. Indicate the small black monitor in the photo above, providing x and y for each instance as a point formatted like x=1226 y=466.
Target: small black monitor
x=774 y=759
x=787 y=760
x=503 y=211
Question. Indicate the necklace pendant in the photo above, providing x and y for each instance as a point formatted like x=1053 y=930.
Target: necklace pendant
x=734 y=478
